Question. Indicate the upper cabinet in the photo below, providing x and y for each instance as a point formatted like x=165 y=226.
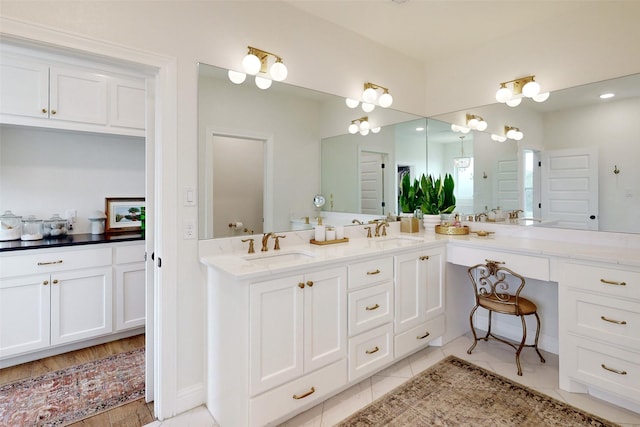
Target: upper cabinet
x=42 y=92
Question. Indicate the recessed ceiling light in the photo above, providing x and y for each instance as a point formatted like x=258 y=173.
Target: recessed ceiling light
x=607 y=95
x=419 y=129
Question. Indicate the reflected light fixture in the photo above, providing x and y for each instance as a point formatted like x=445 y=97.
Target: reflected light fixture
x=513 y=133
x=458 y=128
x=498 y=138
x=607 y=95
x=522 y=87
x=462 y=161
x=476 y=122
x=363 y=126
x=256 y=61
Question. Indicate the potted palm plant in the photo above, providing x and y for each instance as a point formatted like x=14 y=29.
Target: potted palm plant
x=411 y=194
x=438 y=198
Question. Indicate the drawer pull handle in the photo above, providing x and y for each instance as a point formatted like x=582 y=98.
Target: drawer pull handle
x=302 y=396
x=615 y=371
x=371 y=273
x=301 y=285
x=424 y=336
x=50 y=262
x=619 y=322
x=612 y=282
x=375 y=350
x=424 y=258
x=494 y=262
x=372 y=307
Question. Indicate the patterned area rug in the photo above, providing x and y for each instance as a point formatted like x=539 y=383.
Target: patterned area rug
x=457 y=393
x=62 y=397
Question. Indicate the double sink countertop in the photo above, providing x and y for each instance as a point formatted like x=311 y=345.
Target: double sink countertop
x=298 y=254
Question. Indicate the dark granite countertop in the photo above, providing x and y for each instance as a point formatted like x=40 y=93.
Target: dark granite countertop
x=69 y=240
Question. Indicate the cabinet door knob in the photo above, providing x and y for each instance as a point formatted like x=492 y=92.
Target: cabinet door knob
x=53 y=111
x=44 y=111
x=55 y=281
x=301 y=285
x=375 y=350
x=310 y=283
x=424 y=258
x=45 y=283
x=302 y=396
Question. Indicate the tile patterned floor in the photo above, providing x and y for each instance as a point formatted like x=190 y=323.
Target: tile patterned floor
x=492 y=355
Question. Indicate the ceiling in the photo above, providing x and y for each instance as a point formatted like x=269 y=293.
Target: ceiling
x=431 y=29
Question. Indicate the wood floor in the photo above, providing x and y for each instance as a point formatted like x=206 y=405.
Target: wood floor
x=134 y=414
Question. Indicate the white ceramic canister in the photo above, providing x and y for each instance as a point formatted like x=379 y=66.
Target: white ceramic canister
x=97 y=220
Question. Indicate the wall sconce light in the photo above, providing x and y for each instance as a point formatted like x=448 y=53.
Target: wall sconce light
x=498 y=138
x=363 y=126
x=513 y=133
x=522 y=87
x=476 y=122
x=256 y=61
x=370 y=97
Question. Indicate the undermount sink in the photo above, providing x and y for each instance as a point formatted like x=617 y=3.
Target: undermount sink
x=396 y=242
x=270 y=258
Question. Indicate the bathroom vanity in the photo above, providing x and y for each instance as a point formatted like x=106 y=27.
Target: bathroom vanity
x=287 y=329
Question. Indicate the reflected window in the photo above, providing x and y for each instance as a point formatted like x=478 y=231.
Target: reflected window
x=463 y=178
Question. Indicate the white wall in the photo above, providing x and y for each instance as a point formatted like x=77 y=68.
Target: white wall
x=43 y=172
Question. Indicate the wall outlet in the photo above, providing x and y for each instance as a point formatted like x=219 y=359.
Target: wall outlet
x=189 y=229
x=70 y=215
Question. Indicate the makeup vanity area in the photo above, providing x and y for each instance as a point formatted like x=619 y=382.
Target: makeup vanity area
x=315 y=323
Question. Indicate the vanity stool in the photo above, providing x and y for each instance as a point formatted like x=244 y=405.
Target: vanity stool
x=497 y=288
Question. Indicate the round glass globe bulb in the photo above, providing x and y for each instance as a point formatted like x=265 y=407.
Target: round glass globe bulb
x=541 y=97
x=367 y=108
x=236 y=76
x=514 y=102
x=482 y=125
x=278 y=71
x=518 y=136
x=473 y=123
x=511 y=134
x=352 y=103
x=370 y=95
x=353 y=128
x=464 y=129
x=455 y=128
x=251 y=64
x=364 y=125
x=364 y=132
x=385 y=100
x=531 y=89
x=376 y=129
x=503 y=94
x=263 y=83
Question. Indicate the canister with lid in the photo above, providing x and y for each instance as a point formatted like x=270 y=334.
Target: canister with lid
x=10 y=226
x=97 y=220
x=31 y=228
x=55 y=227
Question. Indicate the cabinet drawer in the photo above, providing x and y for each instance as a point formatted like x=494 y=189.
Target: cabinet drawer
x=418 y=336
x=277 y=403
x=370 y=307
x=534 y=267
x=611 y=319
x=370 y=351
x=609 y=281
x=35 y=263
x=128 y=254
x=370 y=272
x=605 y=367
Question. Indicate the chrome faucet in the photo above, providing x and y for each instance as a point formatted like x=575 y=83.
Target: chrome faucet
x=265 y=239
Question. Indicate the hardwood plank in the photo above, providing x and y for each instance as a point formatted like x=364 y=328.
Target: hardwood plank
x=100 y=420
x=15 y=373
x=134 y=414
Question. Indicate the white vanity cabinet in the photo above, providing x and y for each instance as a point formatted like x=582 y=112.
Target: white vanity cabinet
x=129 y=286
x=419 y=299
x=42 y=90
x=60 y=296
x=599 y=339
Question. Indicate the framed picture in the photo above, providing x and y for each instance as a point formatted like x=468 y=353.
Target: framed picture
x=123 y=214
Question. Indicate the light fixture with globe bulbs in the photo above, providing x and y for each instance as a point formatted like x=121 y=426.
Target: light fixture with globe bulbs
x=522 y=87
x=476 y=122
x=458 y=128
x=514 y=133
x=370 y=98
x=256 y=61
x=363 y=126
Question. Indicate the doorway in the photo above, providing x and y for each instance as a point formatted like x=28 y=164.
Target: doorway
x=372 y=181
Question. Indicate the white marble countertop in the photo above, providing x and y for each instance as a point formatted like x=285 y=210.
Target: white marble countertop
x=297 y=254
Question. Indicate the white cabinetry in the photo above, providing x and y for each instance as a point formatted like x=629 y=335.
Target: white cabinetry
x=58 y=299
x=297 y=324
x=419 y=299
x=599 y=341
x=40 y=90
x=130 y=284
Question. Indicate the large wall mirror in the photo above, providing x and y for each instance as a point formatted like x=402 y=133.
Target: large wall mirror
x=287 y=144
x=576 y=165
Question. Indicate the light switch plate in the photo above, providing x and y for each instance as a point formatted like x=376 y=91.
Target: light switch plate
x=189 y=196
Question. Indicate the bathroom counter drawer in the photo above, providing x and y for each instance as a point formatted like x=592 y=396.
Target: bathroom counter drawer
x=611 y=319
x=370 y=307
x=607 y=280
x=53 y=261
x=369 y=272
x=418 y=336
x=370 y=351
x=531 y=266
x=605 y=367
